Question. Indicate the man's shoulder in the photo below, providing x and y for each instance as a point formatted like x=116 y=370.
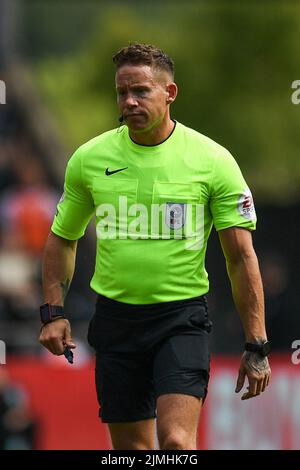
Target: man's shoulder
x=94 y=148
x=204 y=142
x=106 y=137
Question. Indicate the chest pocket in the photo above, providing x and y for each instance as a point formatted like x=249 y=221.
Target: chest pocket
x=176 y=210
x=112 y=198
x=108 y=190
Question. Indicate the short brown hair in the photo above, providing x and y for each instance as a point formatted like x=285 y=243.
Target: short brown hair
x=144 y=54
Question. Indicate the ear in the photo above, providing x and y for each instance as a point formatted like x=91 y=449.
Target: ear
x=172 y=91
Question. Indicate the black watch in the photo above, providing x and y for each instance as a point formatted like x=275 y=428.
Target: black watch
x=50 y=312
x=263 y=349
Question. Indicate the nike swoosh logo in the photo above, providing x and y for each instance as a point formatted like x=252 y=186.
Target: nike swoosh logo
x=108 y=173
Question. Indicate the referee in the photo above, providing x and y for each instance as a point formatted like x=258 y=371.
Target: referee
x=156 y=188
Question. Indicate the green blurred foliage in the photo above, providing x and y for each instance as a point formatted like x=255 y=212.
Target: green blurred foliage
x=235 y=63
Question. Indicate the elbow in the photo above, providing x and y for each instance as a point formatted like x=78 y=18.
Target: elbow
x=60 y=242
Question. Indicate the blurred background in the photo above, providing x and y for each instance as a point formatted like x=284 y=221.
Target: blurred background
x=235 y=65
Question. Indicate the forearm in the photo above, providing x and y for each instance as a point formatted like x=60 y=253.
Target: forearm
x=248 y=295
x=58 y=268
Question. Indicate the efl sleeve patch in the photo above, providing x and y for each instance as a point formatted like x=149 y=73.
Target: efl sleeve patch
x=246 y=205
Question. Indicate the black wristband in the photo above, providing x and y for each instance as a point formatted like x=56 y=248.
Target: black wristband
x=263 y=349
x=50 y=313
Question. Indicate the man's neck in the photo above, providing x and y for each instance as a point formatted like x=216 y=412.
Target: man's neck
x=154 y=136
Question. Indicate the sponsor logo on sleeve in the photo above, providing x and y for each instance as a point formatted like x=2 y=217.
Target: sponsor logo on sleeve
x=62 y=197
x=2 y=92
x=246 y=205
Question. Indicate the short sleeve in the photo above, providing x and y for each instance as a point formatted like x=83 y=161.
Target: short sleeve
x=231 y=202
x=75 y=208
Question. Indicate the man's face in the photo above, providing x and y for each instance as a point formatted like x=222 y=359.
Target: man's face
x=143 y=96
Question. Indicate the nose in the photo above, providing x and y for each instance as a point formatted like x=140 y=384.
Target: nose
x=131 y=101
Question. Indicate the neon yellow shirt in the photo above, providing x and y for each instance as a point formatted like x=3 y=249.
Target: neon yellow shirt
x=155 y=207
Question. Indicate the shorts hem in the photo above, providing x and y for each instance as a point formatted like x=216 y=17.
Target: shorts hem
x=202 y=395
x=182 y=392
x=125 y=420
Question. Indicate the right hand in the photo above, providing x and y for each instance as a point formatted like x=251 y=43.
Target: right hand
x=56 y=336
x=258 y=372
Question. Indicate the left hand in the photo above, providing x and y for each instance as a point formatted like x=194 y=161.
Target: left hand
x=258 y=372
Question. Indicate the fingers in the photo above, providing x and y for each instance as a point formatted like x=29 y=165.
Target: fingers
x=258 y=372
x=240 y=381
x=256 y=386
x=252 y=390
x=55 y=336
x=57 y=346
x=53 y=344
x=265 y=383
x=68 y=338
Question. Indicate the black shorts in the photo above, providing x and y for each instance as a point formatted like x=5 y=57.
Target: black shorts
x=144 y=351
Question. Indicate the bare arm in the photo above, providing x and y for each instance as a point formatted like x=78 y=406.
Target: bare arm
x=58 y=269
x=247 y=291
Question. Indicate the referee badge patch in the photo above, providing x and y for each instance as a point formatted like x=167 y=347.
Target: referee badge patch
x=175 y=215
